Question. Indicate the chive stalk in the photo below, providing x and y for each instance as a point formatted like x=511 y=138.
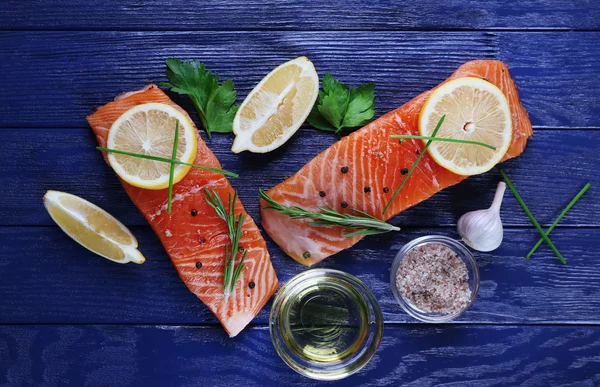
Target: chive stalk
x=562 y=214
x=165 y=160
x=172 y=167
x=412 y=168
x=532 y=218
x=444 y=139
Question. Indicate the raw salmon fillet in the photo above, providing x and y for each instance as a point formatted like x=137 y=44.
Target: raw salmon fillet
x=191 y=239
x=375 y=160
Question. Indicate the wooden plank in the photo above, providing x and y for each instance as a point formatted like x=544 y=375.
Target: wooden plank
x=294 y=15
x=555 y=165
x=204 y=356
x=47 y=278
x=55 y=79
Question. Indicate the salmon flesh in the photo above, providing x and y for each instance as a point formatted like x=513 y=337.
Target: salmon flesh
x=196 y=244
x=375 y=160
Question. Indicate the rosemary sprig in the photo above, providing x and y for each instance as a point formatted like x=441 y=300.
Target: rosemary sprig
x=562 y=214
x=364 y=223
x=172 y=168
x=445 y=139
x=531 y=217
x=231 y=273
x=165 y=160
x=412 y=168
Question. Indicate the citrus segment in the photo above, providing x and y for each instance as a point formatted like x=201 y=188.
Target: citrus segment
x=149 y=129
x=92 y=227
x=475 y=110
x=276 y=107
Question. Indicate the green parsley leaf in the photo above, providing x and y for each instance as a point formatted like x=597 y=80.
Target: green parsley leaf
x=213 y=102
x=339 y=107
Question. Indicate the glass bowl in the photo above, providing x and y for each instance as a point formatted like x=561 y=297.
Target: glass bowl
x=325 y=324
x=461 y=251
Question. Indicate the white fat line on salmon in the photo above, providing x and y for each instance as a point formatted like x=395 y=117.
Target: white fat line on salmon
x=354 y=174
x=177 y=198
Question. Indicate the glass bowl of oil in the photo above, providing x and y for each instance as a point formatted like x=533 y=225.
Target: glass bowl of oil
x=325 y=324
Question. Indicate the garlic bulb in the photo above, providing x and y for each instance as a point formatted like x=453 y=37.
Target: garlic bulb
x=482 y=230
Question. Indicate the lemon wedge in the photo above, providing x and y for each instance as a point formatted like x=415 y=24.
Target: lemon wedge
x=475 y=110
x=150 y=129
x=92 y=227
x=276 y=107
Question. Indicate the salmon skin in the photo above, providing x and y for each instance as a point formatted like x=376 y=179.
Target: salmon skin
x=375 y=160
x=196 y=244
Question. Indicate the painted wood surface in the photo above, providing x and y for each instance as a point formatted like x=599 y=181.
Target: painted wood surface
x=297 y=14
x=56 y=155
x=125 y=355
x=55 y=79
x=68 y=317
x=60 y=278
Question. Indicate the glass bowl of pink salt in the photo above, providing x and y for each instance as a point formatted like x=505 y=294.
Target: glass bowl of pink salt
x=434 y=278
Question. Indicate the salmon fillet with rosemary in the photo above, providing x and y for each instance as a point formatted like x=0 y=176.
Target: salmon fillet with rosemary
x=374 y=160
x=196 y=244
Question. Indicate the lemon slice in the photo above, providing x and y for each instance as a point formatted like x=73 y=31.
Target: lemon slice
x=150 y=129
x=276 y=107
x=475 y=110
x=92 y=227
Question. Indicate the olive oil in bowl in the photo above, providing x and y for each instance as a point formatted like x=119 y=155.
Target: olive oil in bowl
x=326 y=324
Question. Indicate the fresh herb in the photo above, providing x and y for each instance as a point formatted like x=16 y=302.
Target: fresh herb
x=364 y=223
x=213 y=102
x=173 y=161
x=437 y=128
x=562 y=214
x=340 y=107
x=172 y=167
x=443 y=139
x=164 y=160
x=231 y=272
x=532 y=218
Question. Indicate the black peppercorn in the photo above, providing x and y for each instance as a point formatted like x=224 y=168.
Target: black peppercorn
x=386 y=189
x=344 y=169
x=194 y=212
x=251 y=285
x=202 y=240
x=241 y=249
x=344 y=204
x=322 y=194
x=404 y=171
x=306 y=255
x=367 y=189
x=198 y=265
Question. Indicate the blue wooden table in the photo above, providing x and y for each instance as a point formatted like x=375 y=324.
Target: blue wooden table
x=68 y=317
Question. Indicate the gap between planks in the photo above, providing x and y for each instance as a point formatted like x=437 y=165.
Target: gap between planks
x=297 y=29
x=397 y=324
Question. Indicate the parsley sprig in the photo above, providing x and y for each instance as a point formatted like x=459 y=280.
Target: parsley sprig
x=213 y=102
x=341 y=108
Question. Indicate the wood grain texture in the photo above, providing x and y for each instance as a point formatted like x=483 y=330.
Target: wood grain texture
x=297 y=14
x=203 y=356
x=55 y=79
x=554 y=167
x=47 y=278
x=62 y=58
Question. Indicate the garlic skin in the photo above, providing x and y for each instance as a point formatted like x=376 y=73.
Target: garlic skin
x=482 y=230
